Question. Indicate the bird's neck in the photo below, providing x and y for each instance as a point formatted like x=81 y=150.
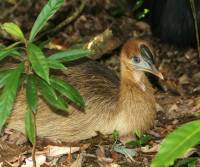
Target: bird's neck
x=134 y=85
x=136 y=105
x=135 y=79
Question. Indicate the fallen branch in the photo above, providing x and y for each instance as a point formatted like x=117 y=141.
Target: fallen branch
x=71 y=18
x=66 y=21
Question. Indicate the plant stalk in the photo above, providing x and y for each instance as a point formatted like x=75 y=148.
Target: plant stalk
x=34 y=144
x=194 y=14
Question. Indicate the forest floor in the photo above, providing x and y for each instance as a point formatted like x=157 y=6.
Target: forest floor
x=177 y=96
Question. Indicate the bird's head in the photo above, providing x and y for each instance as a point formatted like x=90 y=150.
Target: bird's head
x=137 y=57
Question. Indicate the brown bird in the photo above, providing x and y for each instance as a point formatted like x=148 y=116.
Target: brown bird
x=125 y=104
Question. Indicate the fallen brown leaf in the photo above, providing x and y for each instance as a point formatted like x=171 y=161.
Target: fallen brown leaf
x=58 y=150
x=40 y=159
x=78 y=162
x=148 y=149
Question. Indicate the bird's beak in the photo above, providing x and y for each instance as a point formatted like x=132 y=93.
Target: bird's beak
x=153 y=70
x=148 y=57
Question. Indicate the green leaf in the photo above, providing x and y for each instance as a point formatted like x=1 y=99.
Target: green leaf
x=70 y=55
x=193 y=163
x=67 y=90
x=30 y=126
x=14 y=30
x=31 y=93
x=50 y=96
x=137 y=5
x=184 y=162
x=8 y=95
x=142 y=14
x=54 y=64
x=13 y=45
x=2 y=46
x=47 y=12
x=177 y=143
x=143 y=140
x=115 y=135
x=39 y=61
x=7 y=52
x=4 y=76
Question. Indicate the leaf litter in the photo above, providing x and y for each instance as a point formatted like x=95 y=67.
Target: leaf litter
x=177 y=104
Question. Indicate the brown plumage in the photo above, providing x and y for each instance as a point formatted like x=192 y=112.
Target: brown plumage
x=126 y=104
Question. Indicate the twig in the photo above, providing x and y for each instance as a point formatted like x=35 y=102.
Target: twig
x=192 y=4
x=11 y=10
x=71 y=18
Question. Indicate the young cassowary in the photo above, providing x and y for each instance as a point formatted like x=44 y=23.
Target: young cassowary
x=125 y=104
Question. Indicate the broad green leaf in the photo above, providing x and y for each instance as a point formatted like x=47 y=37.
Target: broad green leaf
x=8 y=52
x=54 y=64
x=39 y=61
x=177 y=143
x=14 y=30
x=31 y=93
x=47 y=12
x=70 y=55
x=4 y=76
x=30 y=126
x=9 y=92
x=67 y=90
x=50 y=96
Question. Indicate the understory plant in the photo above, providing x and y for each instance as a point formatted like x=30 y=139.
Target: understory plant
x=177 y=143
x=31 y=71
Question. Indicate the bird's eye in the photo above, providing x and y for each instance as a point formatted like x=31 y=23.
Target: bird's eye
x=136 y=59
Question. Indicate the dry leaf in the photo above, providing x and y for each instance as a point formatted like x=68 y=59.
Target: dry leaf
x=17 y=138
x=78 y=161
x=114 y=165
x=174 y=107
x=58 y=150
x=184 y=79
x=153 y=149
x=130 y=153
x=57 y=44
x=159 y=107
x=189 y=152
x=40 y=159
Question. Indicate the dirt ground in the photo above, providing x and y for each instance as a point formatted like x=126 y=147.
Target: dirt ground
x=177 y=96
